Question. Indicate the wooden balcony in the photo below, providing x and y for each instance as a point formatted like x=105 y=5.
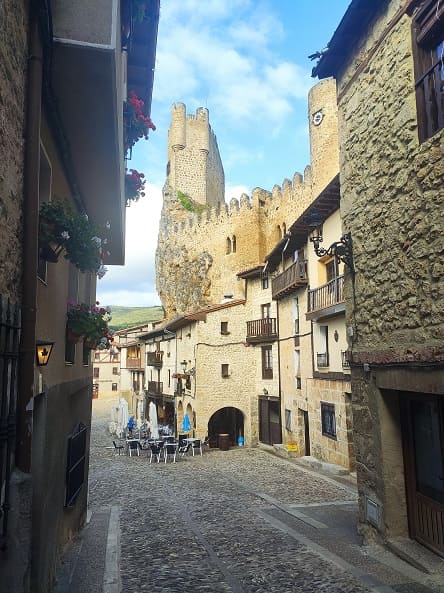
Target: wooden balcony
x=133 y=363
x=292 y=278
x=154 y=359
x=155 y=387
x=262 y=330
x=326 y=300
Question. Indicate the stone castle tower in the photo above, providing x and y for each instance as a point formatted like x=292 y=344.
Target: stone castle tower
x=204 y=242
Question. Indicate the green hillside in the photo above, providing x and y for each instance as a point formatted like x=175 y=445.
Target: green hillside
x=123 y=317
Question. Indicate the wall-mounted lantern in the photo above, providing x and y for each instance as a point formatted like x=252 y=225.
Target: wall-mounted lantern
x=43 y=349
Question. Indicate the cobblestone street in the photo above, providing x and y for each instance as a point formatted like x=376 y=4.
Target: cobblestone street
x=238 y=521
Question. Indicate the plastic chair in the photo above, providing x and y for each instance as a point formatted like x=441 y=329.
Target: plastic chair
x=170 y=448
x=134 y=447
x=156 y=451
x=183 y=448
x=118 y=448
x=197 y=444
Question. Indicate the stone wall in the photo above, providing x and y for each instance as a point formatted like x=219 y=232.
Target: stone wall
x=13 y=67
x=391 y=202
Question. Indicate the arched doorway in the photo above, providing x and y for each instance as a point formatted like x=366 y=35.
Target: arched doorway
x=226 y=421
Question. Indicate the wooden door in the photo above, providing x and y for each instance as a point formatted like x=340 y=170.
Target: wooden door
x=423 y=417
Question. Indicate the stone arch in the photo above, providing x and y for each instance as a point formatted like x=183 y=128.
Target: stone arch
x=228 y=420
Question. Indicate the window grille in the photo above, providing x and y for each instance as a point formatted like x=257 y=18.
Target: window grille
x=328 y=419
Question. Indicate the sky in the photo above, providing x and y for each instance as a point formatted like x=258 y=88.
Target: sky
x=247 y=62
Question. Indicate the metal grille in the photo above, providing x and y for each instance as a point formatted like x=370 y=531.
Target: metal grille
x=9 y=355
x=75 y=470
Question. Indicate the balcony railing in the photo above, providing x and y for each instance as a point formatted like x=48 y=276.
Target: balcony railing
x=155 y=358
x=133 y=363
x=292 y=278
x=155 y=387
x=322 y=360
x=262 y=330
x=327 y=295
x=345 y=355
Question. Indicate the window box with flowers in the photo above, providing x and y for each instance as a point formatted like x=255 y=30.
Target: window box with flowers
x=89 y=322
x=137 y=124
x=61 y=230
x=134 y=186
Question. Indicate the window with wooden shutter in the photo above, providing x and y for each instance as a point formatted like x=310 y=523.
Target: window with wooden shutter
x=267 y=362
x=428 y=42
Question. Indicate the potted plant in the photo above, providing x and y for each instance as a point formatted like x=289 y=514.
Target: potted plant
x=63 y=230
x=137 y=124
x=89 y=322
x=134 y=186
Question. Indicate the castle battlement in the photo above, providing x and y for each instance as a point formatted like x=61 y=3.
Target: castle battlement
x=199 y=253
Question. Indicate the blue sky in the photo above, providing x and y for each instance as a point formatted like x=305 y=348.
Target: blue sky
x=247 y=62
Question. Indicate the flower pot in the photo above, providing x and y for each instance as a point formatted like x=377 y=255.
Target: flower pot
x=49 y=254
x=90 y=344
x=72 y=336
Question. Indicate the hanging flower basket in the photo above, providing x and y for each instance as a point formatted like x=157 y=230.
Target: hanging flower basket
x=137 y=124
x=61 y=230
x=134 y=186
x=91 y=322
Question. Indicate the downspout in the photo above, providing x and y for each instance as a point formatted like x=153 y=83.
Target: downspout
x=30 y=248
x=279 y=370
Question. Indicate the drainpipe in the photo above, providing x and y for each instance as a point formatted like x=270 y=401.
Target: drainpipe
x=30 y=249
x=279 y=370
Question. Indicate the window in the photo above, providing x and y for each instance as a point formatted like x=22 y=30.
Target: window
x=225 y=368
x=224 y=328
x=296 y=321
x=264 y=282
x=267 y=362
x=265 y=311
x=428 y=40
x=288 y=420
x=322 y=355
x=228 y=246
x=96 y=372
x=233 y=244
x=331 y=269
x=115 y=370
x=328 y=419
x=114 y=387
x=297 y=364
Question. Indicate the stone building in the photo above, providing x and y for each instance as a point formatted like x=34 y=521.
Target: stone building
x=387 y=59
x=60 y=142
x=246 y=253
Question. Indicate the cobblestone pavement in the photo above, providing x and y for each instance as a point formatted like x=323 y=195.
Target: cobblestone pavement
x=237 y=521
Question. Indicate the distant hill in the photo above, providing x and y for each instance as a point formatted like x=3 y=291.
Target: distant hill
x=123 y=317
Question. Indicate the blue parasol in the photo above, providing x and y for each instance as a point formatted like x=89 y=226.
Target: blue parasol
x=186 y=426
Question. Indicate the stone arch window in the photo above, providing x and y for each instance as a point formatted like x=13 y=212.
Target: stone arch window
x=233 y=244
x=228 y=246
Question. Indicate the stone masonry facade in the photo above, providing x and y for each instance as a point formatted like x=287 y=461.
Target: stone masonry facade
x=12 y=105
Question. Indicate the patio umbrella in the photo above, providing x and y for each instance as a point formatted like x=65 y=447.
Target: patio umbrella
x=153 y=421
x=122 y=417
x=186 y=426
x=139 y=413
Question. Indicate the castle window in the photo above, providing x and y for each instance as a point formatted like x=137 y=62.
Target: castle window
x=233 y=244
x=225 y=370
x=428 y=41
x=228 y=247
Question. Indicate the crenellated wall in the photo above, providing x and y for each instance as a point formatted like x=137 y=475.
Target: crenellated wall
x=200 y=252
